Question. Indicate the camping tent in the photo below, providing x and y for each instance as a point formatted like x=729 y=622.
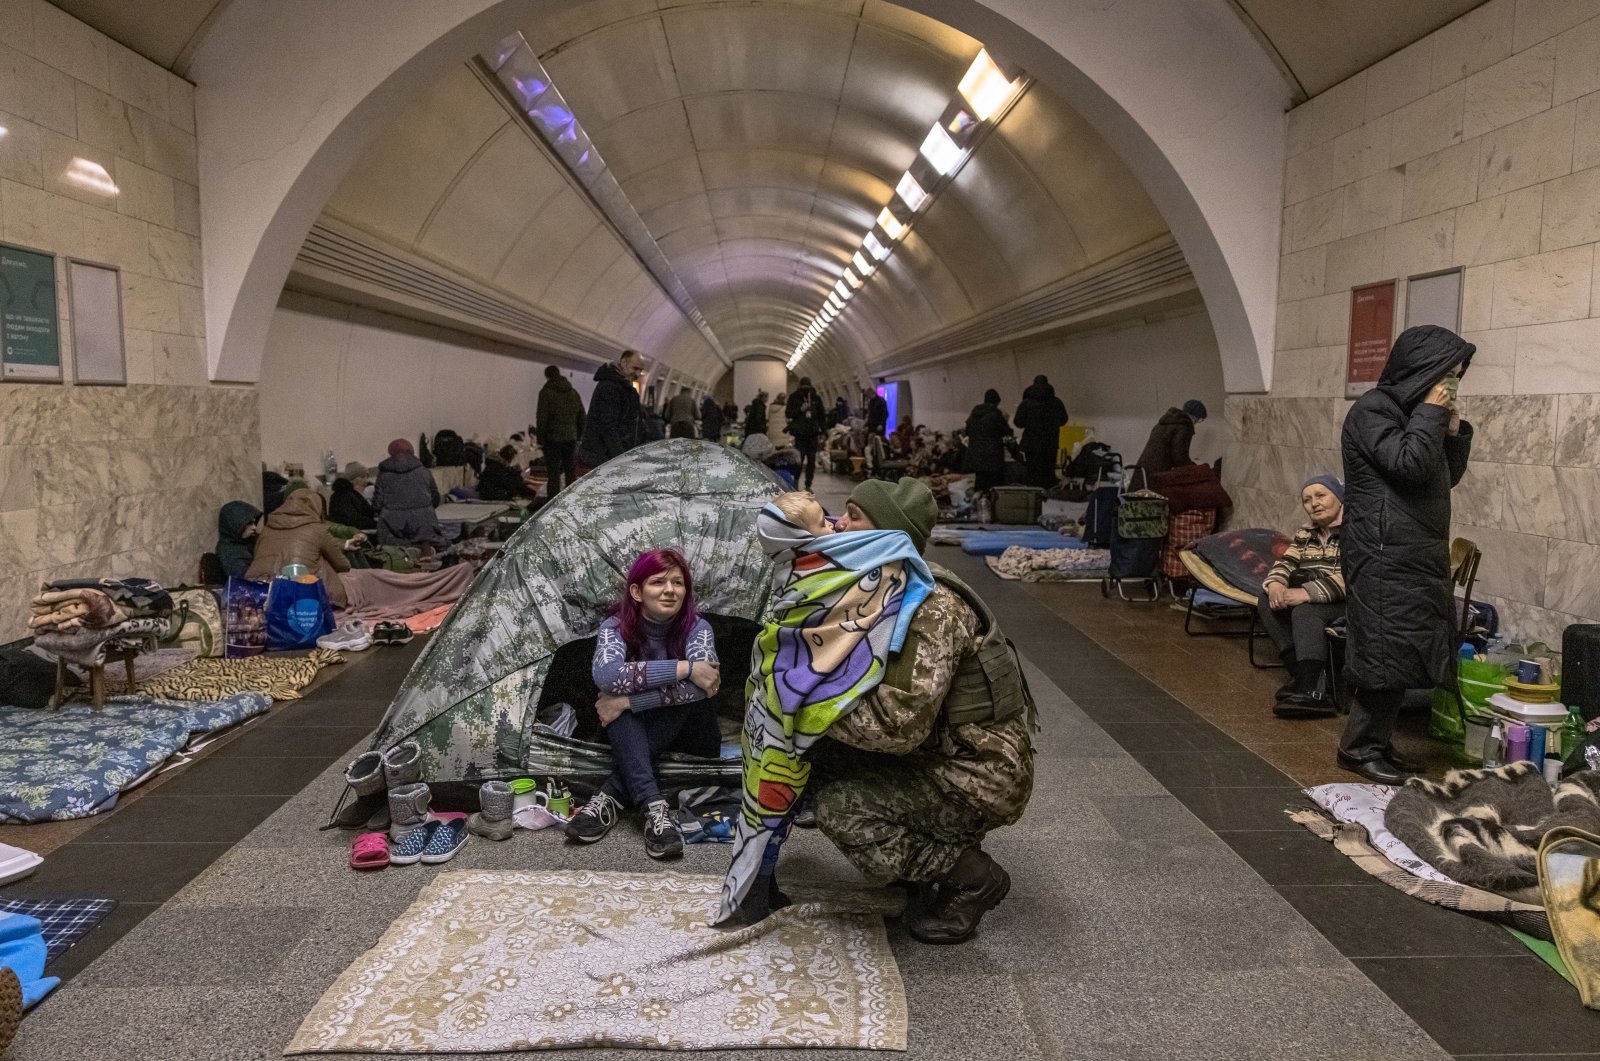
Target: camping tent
x=470 y=699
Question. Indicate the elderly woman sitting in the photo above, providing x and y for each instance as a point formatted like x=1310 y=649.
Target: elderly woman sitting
x=1301 y=595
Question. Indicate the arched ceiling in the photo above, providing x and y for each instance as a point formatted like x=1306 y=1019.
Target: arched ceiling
x=758 y=142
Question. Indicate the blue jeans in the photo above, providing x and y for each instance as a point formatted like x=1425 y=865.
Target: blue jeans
x=639 y=738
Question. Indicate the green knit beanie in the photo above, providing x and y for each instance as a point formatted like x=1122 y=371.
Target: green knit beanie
x=906 y=506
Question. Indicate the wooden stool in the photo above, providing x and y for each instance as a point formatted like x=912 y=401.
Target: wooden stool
x=97 y=677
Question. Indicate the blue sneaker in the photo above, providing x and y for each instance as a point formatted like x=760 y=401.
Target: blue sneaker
x=409 y=848
x=445 y=840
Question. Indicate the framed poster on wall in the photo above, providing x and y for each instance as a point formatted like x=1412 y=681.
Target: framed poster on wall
x=30 y=326
x=1434 y=298
x=1371 y=335
x=94 y=301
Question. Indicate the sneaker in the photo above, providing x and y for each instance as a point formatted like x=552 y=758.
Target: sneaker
x=352 y=636
x=661 y=836
x=391 y=633
x=447 y=838
x=593 y=820
x=406 y=850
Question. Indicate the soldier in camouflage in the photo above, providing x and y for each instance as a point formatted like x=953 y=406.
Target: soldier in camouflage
x=937 y=755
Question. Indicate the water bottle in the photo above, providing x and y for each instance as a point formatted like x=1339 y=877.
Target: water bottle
x=1574 y=731
x=1492 y=746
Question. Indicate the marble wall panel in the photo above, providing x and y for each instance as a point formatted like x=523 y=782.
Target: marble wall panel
x=1480 y=497
x=1560 y=358
x=1579 y=491
x=1512 y=429
x=1528 y=622
x=1543 y=288
x=1301 y=275
x=1430 y=124
x=1441 y=180
x=1572 y=210
x=1573 y=578
x=1513 y=564
x=1586 y=132
x=1400 y=79
x=1577 y=61
x=1354 y=261
x=1509 y=90
x=1505 y=226
x=19 y=543
x=1494 y=365
x=1526 y=152
x=1578 y=430
x=1533 y=500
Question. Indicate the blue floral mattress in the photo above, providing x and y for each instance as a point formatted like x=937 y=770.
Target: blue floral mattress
x=74 y=762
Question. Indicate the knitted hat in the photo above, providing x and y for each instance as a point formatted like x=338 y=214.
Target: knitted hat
x=399 y=446
x=906 y=506
x=1195 y=408
x=1335 y=487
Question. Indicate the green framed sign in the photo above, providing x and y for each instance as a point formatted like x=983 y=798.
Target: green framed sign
x=30 y=324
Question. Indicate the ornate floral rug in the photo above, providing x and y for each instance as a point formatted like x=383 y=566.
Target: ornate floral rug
x=527 y=961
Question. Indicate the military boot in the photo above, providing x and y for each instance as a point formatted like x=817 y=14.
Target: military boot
x=975 y=886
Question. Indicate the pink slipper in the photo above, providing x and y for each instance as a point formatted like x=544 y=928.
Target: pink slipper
x=370 y=851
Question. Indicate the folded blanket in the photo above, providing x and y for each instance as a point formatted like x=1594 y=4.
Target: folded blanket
x=88 y=647
x=75 y=608
x=140 y=596
x=1483 y=827
x=842 y=607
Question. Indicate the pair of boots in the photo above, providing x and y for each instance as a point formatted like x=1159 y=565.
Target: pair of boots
x=958 y=900
x=493 y=818
x=374 y=777
x=1305 y=696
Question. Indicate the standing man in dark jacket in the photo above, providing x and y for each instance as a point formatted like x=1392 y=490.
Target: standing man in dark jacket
x=755 y=415
x=615 y=422
x=877 y=414
x=805 y=413
x=710 y=419
x=560 y=425
x=1168 y=445
x=1404 y=449
x=1040 y=414
x=987 y=430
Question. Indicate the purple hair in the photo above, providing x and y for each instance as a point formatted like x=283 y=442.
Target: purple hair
x=630 y=614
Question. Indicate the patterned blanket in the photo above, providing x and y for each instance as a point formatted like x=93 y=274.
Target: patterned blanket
x=72 y=763
x=843 y=604
x=279 y=677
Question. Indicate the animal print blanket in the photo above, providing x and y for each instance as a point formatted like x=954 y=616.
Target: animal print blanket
x=1482 y=828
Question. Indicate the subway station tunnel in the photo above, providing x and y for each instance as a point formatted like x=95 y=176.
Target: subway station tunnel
x=336 y=222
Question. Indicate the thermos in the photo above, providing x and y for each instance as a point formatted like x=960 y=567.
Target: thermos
x=1516 y=743
x=1536 y=742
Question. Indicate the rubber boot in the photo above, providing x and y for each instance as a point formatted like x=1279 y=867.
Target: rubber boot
x=365 y=777
x=493 y=819
x=975 y=886
x=408 y=810
x=402 y=764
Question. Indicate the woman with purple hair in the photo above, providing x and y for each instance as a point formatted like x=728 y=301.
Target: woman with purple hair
x=655 y=663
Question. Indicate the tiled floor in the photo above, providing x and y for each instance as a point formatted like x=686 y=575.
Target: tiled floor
x=1157 y=940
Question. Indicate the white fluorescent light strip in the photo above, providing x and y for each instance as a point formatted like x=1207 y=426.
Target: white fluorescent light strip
x=843 y=290
x=942 y=153
x=874 y=247
x=852 y=279
x=986 y=88
x=864 y=267
x=91 y=175
x=891 y=224
x=911 y=192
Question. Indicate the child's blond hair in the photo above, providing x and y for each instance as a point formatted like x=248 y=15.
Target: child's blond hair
x=792 y=503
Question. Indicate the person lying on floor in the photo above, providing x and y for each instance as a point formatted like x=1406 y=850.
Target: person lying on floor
x=655 y=663
x=1301 y=595
x=843 y=603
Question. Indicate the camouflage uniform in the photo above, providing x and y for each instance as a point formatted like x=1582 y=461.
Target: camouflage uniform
x=901 y=791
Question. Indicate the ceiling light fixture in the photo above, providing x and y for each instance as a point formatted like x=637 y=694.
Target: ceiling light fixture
x=986 y=87
x=864 y=267
x=911 y=192
x=875 y=247
x=890 y=224
x=942 y=153
x=852 y=279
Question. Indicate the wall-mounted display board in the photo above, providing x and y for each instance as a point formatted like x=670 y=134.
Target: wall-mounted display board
x=94 y=294
x=30 y=326
x=1434 y=298
x=1371 y=334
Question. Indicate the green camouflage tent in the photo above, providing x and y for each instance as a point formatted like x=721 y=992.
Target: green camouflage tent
x=470 y=699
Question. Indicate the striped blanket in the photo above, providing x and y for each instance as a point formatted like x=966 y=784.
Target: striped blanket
x=843 y=603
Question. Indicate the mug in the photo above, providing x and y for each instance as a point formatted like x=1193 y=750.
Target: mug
x=1528 y=671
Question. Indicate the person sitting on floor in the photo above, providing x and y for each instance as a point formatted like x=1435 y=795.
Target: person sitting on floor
x=349 y=504
x=655 y=663
x=1302 y=594
x=238 y=523
x=501 y=479
x=296 y=534
x=405 y=498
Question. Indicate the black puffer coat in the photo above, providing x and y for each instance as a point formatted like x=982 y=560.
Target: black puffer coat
x=1041 y=415
x=1400 y=463
x=615 y=423
x=987 y=430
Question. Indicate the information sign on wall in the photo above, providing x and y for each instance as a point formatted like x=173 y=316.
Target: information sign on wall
x=30 y=327
x=1371 y=335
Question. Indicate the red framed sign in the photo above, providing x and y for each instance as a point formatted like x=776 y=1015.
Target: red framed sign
x=1371 y=335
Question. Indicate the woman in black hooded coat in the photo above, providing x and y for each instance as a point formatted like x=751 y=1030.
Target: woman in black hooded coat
x=987 y=430
x=1404 y=449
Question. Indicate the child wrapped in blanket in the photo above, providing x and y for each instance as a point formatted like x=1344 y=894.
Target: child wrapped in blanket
x=841 y=607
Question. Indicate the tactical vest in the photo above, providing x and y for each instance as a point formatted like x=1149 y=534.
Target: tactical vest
x=988 y=685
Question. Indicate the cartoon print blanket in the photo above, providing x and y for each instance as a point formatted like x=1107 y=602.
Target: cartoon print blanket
x=843 y=603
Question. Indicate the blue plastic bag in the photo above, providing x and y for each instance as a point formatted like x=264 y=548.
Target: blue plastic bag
x=297 y=614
